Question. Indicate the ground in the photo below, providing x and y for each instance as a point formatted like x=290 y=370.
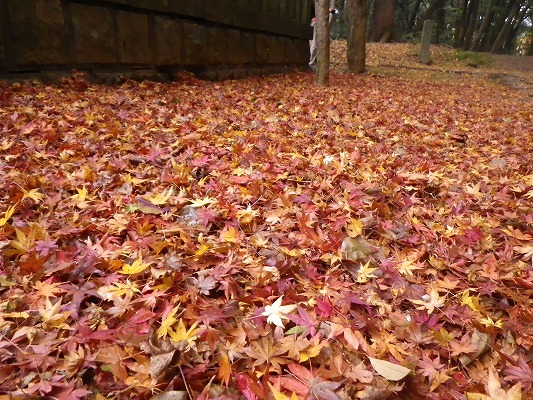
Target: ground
x=266 y=238
x=400 y=59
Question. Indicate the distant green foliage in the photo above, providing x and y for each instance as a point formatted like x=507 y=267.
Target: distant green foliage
x=473 y=59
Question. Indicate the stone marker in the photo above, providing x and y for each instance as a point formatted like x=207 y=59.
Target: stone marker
x=424 y=55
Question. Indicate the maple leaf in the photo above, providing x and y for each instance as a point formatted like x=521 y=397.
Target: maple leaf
x=7 y=215
x=433 y=370
x=180 y=333
x=267 y=354
x=406 y=267
x=224 y=369
x=354 y=227
x=203 y=202
x=365 y=273
x=276 y=313
x=82 y=198
x=121 y=305
x=136 y=267
x=204 y=283
x=167 y=323
x=280 y=396
x=51 y=317
x=308 y=385
x=430 y=301
x=521 y=372
x=526 y=251
x=161 y=198
x=495 y=391
x=47 y=288
x=247 y=215
x=471 y=301
x=45 y=247
x=127 y=288
x=33 y=194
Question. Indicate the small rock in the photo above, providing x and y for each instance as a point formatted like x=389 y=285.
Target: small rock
x=499 y=163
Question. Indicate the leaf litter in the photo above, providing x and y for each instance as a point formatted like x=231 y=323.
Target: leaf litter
x=266 y=238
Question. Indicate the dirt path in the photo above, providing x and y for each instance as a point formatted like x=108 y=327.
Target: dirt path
x=513 y=72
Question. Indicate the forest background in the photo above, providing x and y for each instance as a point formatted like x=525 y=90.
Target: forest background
x=496 y=26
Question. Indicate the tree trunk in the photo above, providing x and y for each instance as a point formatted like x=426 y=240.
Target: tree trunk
x=509 y=43
x=460 y=24
x=433 y=6
x=322 y=42
x=471 y=24
x=414 y=14
x=357 y=26
x=474 y=46
x=502 y=35
x=384 y=26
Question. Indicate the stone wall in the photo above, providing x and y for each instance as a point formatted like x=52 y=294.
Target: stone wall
x=215 y=39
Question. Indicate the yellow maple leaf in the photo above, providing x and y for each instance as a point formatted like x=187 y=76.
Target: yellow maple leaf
x=247 y=215
x=182 y=334
x=162 y=198
x=47 y=289
x=203 y=202
x=224 y=368
x=470 y=301
x=229 y=235
x=279 y=395
x=167 y=323
x=354 y=228
x=365 y=273
x=118 y=289
x=51 y=317
x=134 y=181
x=136 y=267
x=23 y=244
x=406 y=267
x=7 y=215
x=204 y=247
x=81 y=198
x=489 y=322
x=293 y=252
x=430 y=301
x=311 y=352
x=33 y=194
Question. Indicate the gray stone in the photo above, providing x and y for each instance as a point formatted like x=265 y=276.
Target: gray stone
x=195 y=44
x=424 y=55
x=133 y=43
x=94 y=35
x=38 y=31
x=168 y=38
x=498 y=163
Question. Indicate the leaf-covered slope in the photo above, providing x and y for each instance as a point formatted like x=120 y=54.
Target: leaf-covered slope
x=266 y=238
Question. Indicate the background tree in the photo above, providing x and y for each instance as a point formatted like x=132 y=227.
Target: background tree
x=357 y=11
x=498 y=26
x=383 y=27
x=322 y=41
